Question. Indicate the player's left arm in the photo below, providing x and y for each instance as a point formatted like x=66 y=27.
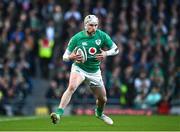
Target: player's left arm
x=112 y=49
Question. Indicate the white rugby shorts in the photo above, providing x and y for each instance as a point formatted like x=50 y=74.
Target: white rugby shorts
x=93 y=79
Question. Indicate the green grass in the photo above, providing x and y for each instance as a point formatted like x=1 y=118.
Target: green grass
x=91 y=123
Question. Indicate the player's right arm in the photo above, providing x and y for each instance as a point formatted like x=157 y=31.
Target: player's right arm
x=71 y=56
x=69 y=53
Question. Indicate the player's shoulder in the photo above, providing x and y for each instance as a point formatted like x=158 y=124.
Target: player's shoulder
x=76 y=36
x=102 y=33
x=79 y=34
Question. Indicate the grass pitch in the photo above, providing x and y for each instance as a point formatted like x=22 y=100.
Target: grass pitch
x=91 y=123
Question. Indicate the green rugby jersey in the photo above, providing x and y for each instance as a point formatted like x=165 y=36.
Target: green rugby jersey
x=92 y=45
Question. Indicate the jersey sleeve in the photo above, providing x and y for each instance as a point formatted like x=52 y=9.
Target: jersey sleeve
x=72 y=44
x=107 y=41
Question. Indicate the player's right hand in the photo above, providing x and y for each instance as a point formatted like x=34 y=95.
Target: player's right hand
x=75 y=57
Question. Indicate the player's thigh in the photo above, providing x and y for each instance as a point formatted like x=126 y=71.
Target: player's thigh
x=95 y=79
x=99 y=92
x=75 y=80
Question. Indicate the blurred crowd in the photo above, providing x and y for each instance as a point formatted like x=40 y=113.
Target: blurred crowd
x=146 y=73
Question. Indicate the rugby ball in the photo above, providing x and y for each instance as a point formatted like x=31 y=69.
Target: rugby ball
x=82 y=51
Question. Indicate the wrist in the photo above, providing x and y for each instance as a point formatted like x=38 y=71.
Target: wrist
x=106 y=53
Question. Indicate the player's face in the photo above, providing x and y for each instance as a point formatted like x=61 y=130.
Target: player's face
x=91 y=28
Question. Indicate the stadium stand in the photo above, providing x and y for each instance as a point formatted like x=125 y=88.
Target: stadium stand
x=145 y=75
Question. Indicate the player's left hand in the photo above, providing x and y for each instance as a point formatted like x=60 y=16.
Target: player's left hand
x=101 y=56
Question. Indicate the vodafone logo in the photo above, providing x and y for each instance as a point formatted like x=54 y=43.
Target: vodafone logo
x=92 y=50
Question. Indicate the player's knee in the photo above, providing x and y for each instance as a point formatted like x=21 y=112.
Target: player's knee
x=71 y=88
x=103 y=100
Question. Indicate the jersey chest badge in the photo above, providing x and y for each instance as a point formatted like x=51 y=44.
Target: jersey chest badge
x=98 y=41
x=92 y=50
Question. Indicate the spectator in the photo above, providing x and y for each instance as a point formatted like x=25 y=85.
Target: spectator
x=146 y=33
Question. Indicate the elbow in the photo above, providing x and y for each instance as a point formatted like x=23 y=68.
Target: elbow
x=65 y=58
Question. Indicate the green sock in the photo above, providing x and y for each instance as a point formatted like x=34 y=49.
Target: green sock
x=59 y=111
x=99 y=111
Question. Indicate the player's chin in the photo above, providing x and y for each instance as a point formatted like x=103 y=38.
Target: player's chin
x=92 y=32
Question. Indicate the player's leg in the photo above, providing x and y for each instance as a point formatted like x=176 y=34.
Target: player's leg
x=97 y=86
x=75 y=80
x=101 y=99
